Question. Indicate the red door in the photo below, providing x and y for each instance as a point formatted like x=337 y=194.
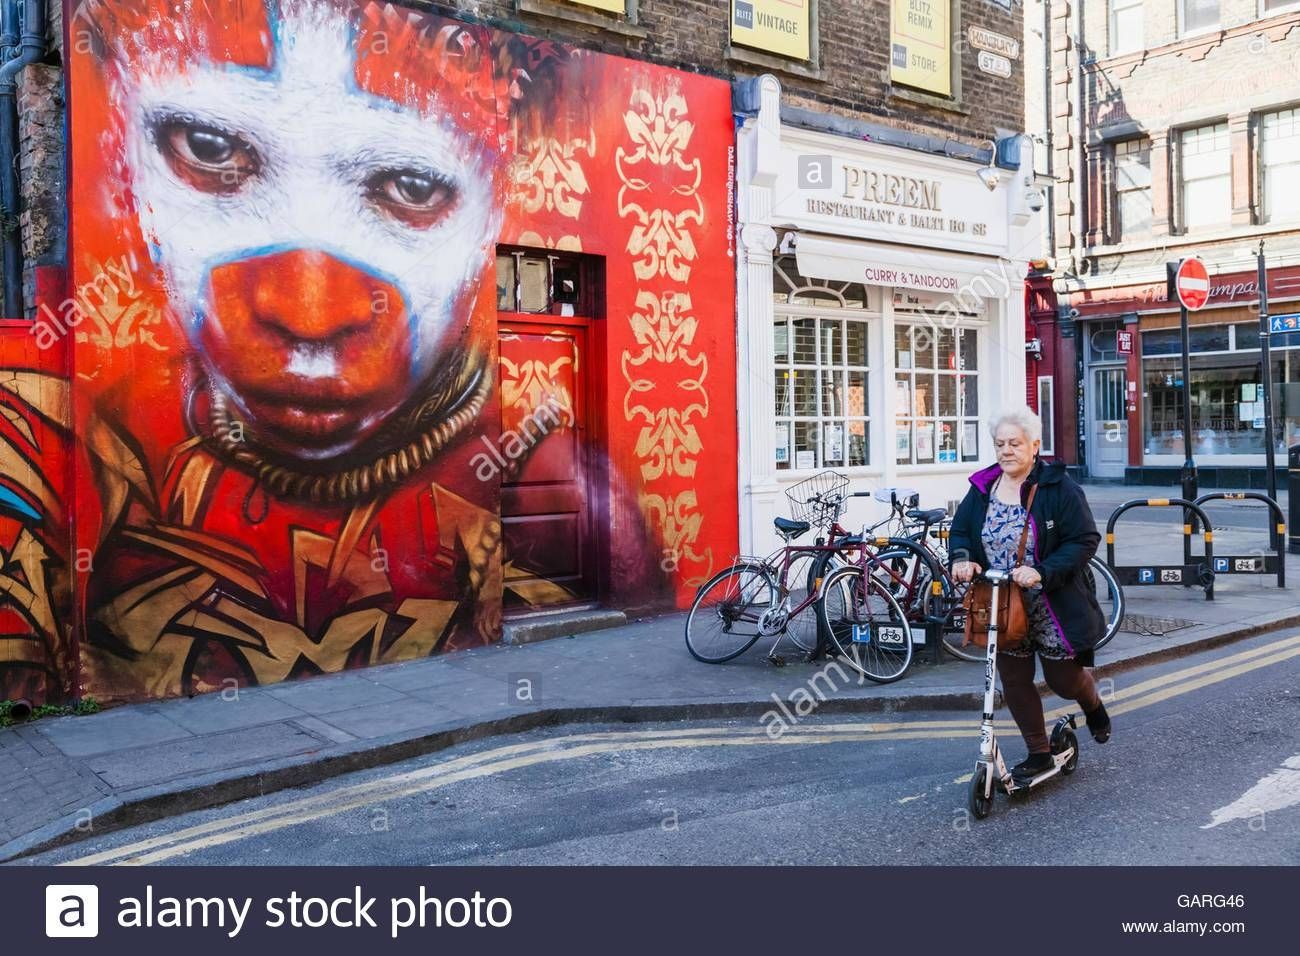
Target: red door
x=545 y=487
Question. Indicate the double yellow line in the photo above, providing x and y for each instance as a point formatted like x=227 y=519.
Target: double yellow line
x=576 y=746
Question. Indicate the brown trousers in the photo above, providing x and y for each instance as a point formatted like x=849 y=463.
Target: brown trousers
x=1067 y=678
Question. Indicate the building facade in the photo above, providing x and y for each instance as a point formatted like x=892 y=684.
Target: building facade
x=339 y=331
x=1174 y=132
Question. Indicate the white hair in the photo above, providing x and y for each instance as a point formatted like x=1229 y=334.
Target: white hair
x=1022 y=417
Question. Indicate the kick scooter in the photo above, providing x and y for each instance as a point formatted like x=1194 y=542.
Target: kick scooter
x=990 y=770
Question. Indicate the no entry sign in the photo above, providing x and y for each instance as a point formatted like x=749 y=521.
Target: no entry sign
x=1192 y=283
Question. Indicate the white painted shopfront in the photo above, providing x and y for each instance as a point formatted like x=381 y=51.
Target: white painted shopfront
x=881 y=314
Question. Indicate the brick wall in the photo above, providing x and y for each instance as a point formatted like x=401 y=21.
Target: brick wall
x=852 y=70
x=1247 y=66
x=850 y=75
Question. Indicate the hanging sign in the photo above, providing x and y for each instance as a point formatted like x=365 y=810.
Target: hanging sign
x=920 y=43
x=777 y=26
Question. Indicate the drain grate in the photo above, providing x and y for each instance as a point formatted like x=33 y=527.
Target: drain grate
x=1153 y=626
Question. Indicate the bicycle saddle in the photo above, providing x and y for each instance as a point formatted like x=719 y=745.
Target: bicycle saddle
x=931 y=516
x=791 y=528
x=887 y=495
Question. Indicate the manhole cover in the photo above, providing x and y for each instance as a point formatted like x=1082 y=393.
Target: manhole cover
x=1152 y=626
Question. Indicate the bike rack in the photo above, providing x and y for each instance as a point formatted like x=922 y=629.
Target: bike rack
x=1186 y=573
x=933 y=625
x=1248 y=563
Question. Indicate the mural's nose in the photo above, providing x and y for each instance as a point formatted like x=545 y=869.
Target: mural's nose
x=305 y=294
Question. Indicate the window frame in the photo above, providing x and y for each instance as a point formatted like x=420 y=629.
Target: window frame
x=1112 y=32
x=1264 y=215
x=1116 y=193
x=1181 y=180
x=904 y=415
x=787 y=418
x=1291 y=6
x=1181 y=24
x=1048 y=418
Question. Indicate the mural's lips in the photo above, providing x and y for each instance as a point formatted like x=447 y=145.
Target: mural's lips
x=312 y=419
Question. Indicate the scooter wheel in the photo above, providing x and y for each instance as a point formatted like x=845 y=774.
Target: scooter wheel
x=980 y=805
x=1069 y=741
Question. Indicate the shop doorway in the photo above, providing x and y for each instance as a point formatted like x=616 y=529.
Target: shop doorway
x=1109 y=422
x=549 y=536
x=1106 y=396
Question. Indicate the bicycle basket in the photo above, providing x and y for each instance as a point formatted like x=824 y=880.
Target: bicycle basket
x=819 y=500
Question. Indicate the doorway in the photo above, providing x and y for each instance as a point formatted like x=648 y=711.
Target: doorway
x=549 y=536
x=1109 y=432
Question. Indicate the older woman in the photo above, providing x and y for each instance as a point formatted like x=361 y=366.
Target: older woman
x=1065 y=620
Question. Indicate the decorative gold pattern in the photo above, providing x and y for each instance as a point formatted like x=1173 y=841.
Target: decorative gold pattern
x=660 y=241
x=551 y=176
x=660 y=195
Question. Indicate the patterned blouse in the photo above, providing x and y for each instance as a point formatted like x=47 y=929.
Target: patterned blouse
x=1001 y=538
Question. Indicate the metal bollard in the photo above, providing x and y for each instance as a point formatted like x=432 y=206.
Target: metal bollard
x=1293 y=499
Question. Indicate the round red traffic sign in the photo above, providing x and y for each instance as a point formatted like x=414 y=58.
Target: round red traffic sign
x=1192 y=283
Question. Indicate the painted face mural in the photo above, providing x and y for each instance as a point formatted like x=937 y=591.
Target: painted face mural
x=322 y=220
x=292 y=395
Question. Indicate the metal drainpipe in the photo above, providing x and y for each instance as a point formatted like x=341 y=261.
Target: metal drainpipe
x=1047 y=128
x=30 y=48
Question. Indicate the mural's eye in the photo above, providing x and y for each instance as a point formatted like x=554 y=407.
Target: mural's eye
x=207 y=158
x=415 y=197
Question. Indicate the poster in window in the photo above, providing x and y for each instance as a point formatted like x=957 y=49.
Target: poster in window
x=970 y=440
x=925 y=442
x=903 y=442
x=902 y=397
x=782 y=444
x=611 y=6
x=775 y=26
x=920 y=40
x=835 y=443
x=804 y=460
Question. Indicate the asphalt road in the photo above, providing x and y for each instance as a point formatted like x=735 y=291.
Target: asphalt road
x=1204 y=768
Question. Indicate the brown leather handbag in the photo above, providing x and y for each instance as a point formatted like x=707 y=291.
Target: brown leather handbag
x=1013 y=619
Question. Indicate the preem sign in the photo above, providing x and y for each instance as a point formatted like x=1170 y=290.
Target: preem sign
x=776 y=26
x=920 y=35
x=888 y=199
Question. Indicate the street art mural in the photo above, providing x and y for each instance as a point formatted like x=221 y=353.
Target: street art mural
x=286 y=363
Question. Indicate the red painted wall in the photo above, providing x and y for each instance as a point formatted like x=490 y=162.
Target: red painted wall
x=281 y=322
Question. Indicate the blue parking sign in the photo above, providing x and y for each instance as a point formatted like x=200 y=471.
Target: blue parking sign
x=1146 y=575
x=1220 y=564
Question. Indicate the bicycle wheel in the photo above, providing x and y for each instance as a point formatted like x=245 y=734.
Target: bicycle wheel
x=724 y=618
x=866 y=626
x=1110 y=596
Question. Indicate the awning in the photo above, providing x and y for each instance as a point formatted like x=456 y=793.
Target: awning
x=963 y=277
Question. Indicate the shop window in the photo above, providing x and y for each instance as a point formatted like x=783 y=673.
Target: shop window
x=1201 y=338
x=1205 y=177
x=1197 y=16
x=1125 y=26
x=1270 y=7
x=1047 y=413
x=821 y=371
x=1133 y=209
x=1227 y=398
x=936 y=383
x=1279 y=159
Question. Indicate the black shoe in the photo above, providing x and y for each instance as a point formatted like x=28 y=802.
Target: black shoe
x=1032 y=766
x=1099 y=724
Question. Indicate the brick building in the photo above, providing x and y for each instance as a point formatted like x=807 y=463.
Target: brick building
x=1174 y=131
x=339 y=330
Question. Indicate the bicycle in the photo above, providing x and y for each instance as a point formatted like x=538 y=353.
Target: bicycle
x=753 y=598
x=916 y=558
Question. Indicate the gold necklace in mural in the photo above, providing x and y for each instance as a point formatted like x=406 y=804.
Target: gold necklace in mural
x=453 y=408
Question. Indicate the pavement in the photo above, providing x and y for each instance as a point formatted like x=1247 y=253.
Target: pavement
x=69 y=778
x=1199 y=770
